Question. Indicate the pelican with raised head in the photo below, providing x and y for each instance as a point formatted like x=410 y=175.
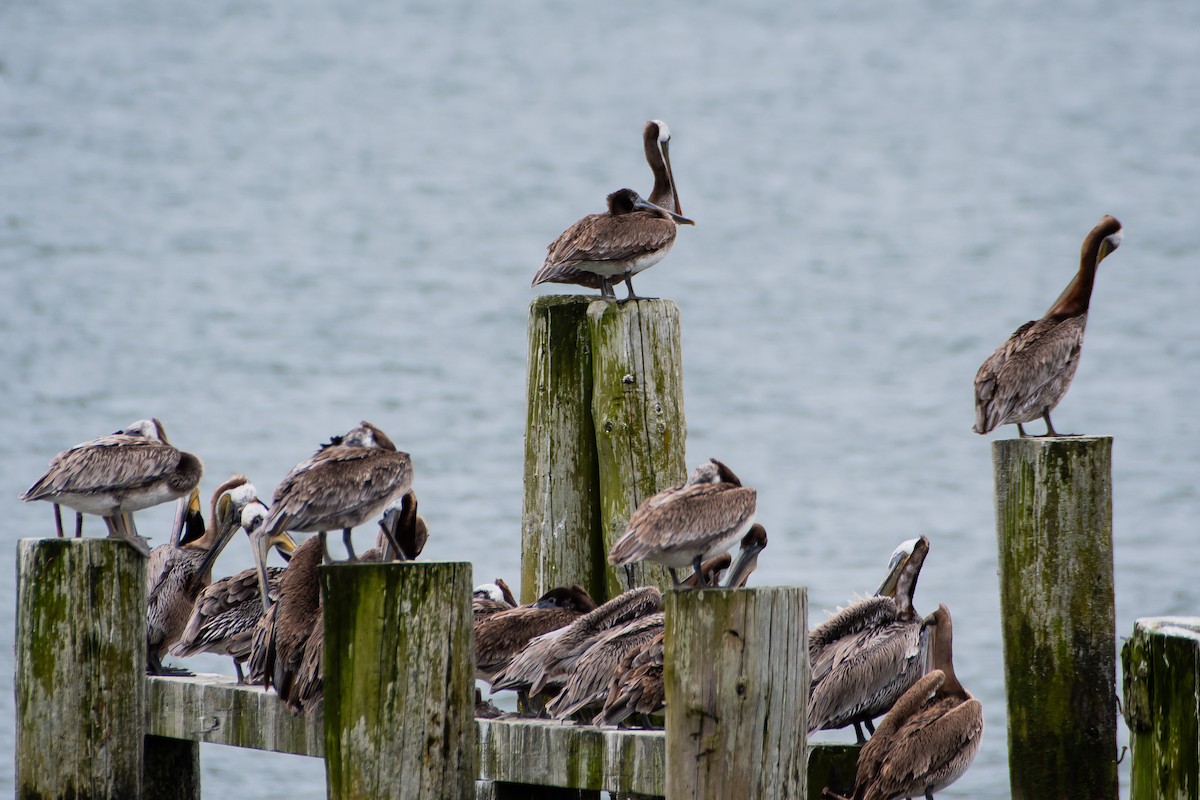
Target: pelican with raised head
x=1028 y=375
x=868 y=654
x=601 y=249
x=226 y=612
x=345 y=483
x=116 y=475
x=686 y=524
x=931 y=735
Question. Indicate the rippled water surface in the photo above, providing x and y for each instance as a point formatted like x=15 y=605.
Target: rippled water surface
x=265 y=221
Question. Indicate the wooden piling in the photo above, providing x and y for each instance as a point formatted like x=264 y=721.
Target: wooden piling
x=736 y=680
x=1054 y=528
x=80 y=668
x=560 y=531
x=832 y=765
x=171 y=769
x=637 y=408
x=399 y=681
x=1161 y=668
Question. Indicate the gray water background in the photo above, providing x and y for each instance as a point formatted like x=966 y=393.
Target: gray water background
x=263 y=221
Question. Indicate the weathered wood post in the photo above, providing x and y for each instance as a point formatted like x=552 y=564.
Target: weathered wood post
x=1161 y=667
x=399 y=681
x=736 y=678
x=832 y=765
x=1054 y=528
x=560 y=532
x=637 y=408
x=80 y=670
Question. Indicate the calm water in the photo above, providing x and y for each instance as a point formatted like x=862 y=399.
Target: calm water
x=265 y=221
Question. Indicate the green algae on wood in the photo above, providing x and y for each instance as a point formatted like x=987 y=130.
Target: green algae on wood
x=736 y=678
x=1054 y=531
x=560 y=529
x=399 y=681
x=80 y=668
x=1161 y=668
x=637 y=409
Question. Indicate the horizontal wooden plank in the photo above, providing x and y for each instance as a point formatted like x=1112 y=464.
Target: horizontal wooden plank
x=553 y=753
x=215 y=709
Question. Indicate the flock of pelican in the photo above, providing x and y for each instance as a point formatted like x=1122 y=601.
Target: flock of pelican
x=566 y=656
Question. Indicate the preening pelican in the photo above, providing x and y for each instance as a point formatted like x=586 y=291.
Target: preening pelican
x=1029 y=374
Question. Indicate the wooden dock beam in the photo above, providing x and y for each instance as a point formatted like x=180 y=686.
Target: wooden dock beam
x=399 y=691
x=605 y=430
x=1054 y=529
x=1161 y=667
x=80 y=671
x=736 y=679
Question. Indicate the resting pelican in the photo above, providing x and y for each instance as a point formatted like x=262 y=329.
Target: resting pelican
x=689 y=523
x=636 y=686
x=489 y=598
x=345 y=483
x=116 y=475
x=500 y=636
x=177 y=572
x=868 y=654
x=588 y=683
x=1029 y=374
x=226 y=612
x=600 y=249
x=931 y=735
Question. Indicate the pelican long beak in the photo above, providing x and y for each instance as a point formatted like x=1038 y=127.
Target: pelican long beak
x=895 y=569
x=227 y=523
x=189 y=521
x=646 y=205
x=746 y=562
x=666 y=154
x=283 y=543
x=1109 y=244
x=260 y=546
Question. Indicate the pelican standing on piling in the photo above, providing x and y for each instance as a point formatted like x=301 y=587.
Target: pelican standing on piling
x=116 y=475
x=868 y=654
x=686 y=524
x=1029 y=374
x=931 y=735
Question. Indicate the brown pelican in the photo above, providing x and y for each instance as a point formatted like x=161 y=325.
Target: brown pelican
x=500 y=636
x=1027 y=375
x=636 y=686
x=226 y=612
x=656 y=139
x=116 y=475
x=689 y=523
x=489 y=598
x=601 y=249
x=548 y=660
x=931 y=735
x=753 y=543
x=588 y=683
x=178 y=571
x=345 y=483
x=403 y=532
x=868 y=654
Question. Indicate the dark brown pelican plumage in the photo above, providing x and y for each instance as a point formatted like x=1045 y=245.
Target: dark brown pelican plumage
x=589 y=680
x=178 y=571
x=1029 y=374
x=656 y=140
x=226 y=612
x=931 y=735
x=601 y=249
x=547 y=661
x=280 y=650
x=753 y=543
x=116 y=475
x=687 y=524
x=868 y=654
x=636 y=687
x=345 y=483
x=403 y=532
x=500 y=636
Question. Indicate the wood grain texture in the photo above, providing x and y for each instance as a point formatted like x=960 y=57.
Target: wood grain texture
x=736 y=682
x=399 y=681
x=1161 y=668
x=560 y=530
x=80 y=667
x=1054 y=529
x=217 y=710
x=554 y=753
x=637 y=410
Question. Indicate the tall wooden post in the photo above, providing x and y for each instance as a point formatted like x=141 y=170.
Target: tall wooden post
x=637 y=407
x=736 y=680
x=1161 y=668
x=399 y=681
x=80 y=670
x=560 y=530
x=1054 y=527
